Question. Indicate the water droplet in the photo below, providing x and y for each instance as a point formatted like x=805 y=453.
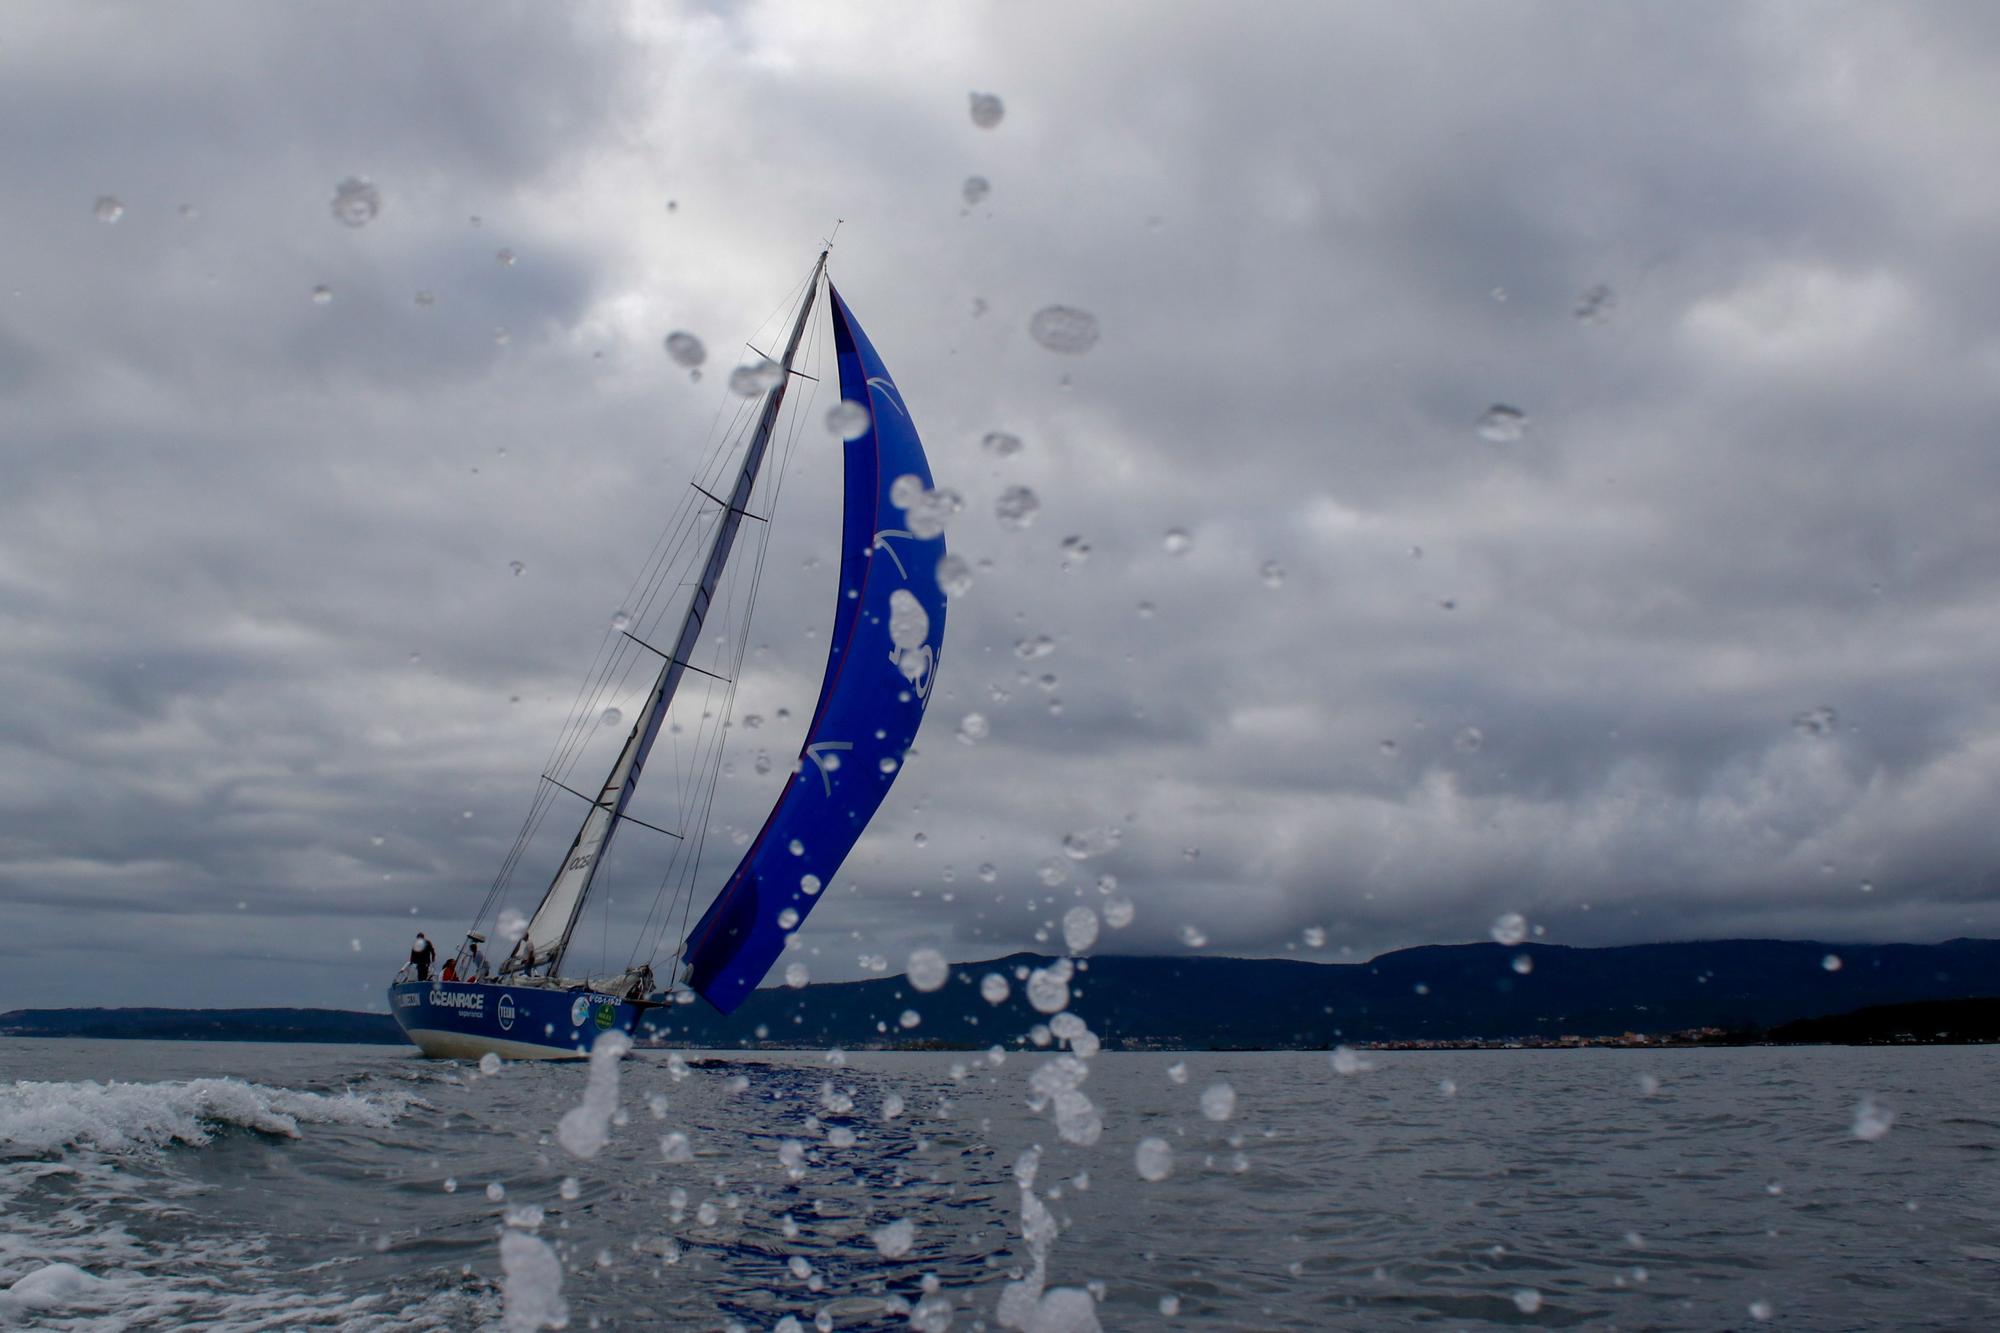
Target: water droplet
x=1040 y=645
x=1000 y=444
x=1347 y=1062
x=1086 y=843
x=847 y=420
x=976 y=189
x=1218 y=1101
x=1170 y=1305
x=322 y=295
x=512 y=925
x=757 y=377
x=1146 y=610
x=1064 y=329
x=1118 y=913
x=1153 y=1159
x=808 y=884
x=1831 y=962
x=489 y=1064
x=797 y=975
x=685 y=349
x=1871 y=1119
x=1272 y=573
x=1761 y=1311
x=425 y=299
x=993 y=988
x=922 y=839
x=1523 y=964
x=1468 y=740
x=927 y=969
x=1193 y=937
x=986 y=110
x=495 y=1192
x=451 y=1184
x=356 y=202
x=910 y=1018
x=1079 y=929
x=788 y=919
x=1017 y=507
x=973 y=728
x=505 y=258
x=1387 y=748
x=1527 y=1300
x=1509 y=928
x=620 y=622
x=1048 y=987
x=1501 y=424
x=1075 y=550
x=887 y=764
x=954 y=576
x=894 y=1240
x=795 y=847
x=1314 y=936
x=108 y=209
x=1176 y=541
x=518 y=568
x=1821 y=721
x=928 y=514
x=501 y=337
x=1596 y=304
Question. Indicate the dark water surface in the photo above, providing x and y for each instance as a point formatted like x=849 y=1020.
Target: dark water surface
x=265 y=1187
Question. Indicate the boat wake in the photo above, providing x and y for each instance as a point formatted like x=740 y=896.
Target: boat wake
x=39 y=1119
x=100 y=1198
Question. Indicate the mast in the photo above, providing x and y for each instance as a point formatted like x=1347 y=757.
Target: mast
x=549 y=931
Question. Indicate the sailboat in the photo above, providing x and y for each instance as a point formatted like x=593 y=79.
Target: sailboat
x=881 y=667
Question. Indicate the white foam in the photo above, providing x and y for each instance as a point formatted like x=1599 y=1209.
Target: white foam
x=51 y=1287
x=45 y=1118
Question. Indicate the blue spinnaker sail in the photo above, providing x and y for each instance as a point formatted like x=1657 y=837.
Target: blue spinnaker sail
x=888 y=630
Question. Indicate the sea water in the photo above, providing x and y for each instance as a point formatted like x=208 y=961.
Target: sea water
x=236 y=1186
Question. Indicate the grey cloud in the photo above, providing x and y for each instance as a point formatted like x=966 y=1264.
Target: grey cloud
x=232 y=516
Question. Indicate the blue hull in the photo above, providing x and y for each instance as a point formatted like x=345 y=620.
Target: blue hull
x=463 y=1020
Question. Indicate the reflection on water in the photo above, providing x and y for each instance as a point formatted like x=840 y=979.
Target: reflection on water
x=1663 y=1189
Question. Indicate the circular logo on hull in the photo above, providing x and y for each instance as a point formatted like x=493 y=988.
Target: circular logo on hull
x=579 y=1011
x=605 y=1013
x=506 y=1013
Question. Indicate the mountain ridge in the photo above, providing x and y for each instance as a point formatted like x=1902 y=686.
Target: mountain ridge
x=1427 y=993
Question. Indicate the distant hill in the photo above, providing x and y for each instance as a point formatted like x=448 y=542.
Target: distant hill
x=1926 y=1022
x=1434 y=993
x=1453 y=992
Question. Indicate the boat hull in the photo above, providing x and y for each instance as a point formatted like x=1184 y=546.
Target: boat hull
x=464 y=1020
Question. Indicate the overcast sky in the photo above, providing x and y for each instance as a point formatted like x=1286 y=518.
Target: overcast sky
x=1708 y=650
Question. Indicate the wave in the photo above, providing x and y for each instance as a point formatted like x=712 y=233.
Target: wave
x=39 y=1119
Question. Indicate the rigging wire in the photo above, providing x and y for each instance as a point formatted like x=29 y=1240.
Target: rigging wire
x=668 y=549
x=774 y=483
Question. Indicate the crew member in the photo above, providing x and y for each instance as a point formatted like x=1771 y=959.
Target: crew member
x=422 y=954
x=475 y=958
